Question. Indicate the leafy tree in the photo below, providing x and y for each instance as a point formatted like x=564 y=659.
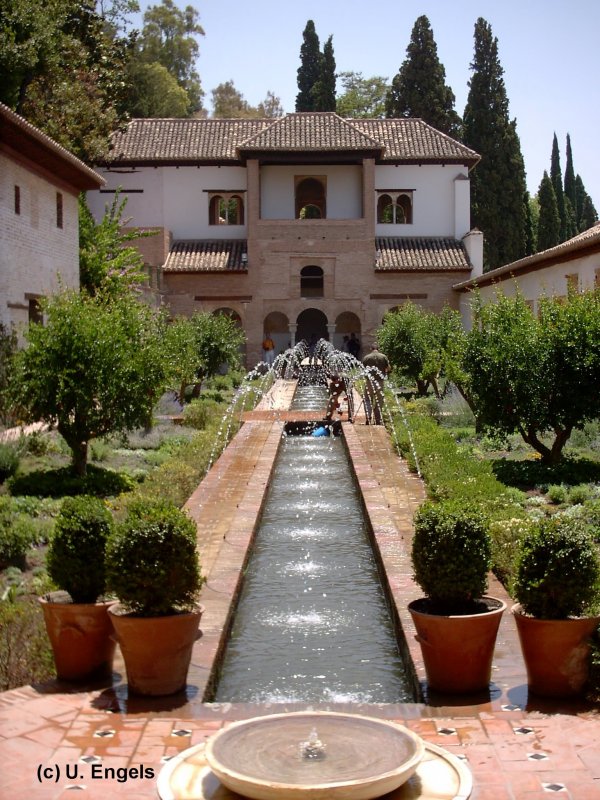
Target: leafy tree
x=419 y=88
x=324 y=89
x=92 y=369
x=8 y=348
x=196 y=347
x=498 y=181
x=309 y=71
x=229 y=103
x=169 y=37
x=155 y=92
x=411 y=339
x=270 y=107
x=106 y=264
x=549 y=218
x=362 y=97
x=62 y=67
x=537 y=376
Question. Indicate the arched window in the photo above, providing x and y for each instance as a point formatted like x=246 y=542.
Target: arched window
x=226 y=209
x=311 y=198
x=394 y=208
x=311 y=282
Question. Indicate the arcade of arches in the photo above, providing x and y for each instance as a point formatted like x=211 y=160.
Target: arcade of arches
x=310 y=324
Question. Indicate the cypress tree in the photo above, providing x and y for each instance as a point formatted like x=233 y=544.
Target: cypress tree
x=498 y=181
x=589 y=215
x=309 y=71
x=570 y=188
x=549 y=220
x=557 y=183
x=419 y=88
x=323 y=92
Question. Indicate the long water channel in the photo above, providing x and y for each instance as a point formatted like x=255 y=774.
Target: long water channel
x=312 y=624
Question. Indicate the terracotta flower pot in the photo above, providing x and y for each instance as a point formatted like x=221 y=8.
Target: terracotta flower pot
x=457 y=650
x=556 y=652
x=157 y=650
x=81 y=638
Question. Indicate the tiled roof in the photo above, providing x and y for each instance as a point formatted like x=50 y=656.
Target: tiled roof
x=426 y=254
x=560 y=252
x=182 y=139
x=190 y=141
x=206 y=256
x=25 y=138
x=415 y=140
x=310 y=131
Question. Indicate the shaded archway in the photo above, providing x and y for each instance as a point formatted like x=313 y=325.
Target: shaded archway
x=346 y=323
x=311 y=322
x=278 y=326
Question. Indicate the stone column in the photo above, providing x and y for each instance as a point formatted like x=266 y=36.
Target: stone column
x=293 y=327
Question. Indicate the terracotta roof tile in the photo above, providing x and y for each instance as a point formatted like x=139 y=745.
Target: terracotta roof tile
x=317 y=131
x=206 y=255
x=413 y=139
x=426 y=254
x=216 y=140
x=182 y=139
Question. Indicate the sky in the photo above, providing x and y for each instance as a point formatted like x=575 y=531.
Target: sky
x=549 y=50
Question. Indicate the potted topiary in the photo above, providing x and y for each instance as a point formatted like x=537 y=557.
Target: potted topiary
x=456 y=625
x=557 y=586
x=77 y=622
x=153 y=569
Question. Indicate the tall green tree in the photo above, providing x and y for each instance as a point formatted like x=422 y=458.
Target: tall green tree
x=498 y=181
x=154 y=92
x=229 y=103
x=549 y=218
x=362 y=97
x=324 y=89
x=63 y=67
x=557 y=183
x=419 y=89
x=169 y=37
x=93 y=368
x=309 y=70
x=569 y=186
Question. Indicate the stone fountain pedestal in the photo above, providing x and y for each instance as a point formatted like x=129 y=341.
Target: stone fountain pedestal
x=317 y=756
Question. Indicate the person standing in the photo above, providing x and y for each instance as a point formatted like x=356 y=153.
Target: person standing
x=268 y=347
x=353 y=345
x=377 y=367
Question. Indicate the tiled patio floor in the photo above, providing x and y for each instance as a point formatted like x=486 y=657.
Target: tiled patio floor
x=55 y=740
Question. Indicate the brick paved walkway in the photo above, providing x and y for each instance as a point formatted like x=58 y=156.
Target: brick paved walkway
x=55 y=740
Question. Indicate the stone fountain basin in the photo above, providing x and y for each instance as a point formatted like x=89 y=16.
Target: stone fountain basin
x=364 y=757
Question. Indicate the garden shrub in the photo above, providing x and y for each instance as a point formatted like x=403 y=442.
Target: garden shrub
x=25 y=653
x=578 y=495
x=9 y=461
x=151 y=560
x=558 y=569
x=201 y=412
x=62 y=482
x=506 y=536
x=75 y=557
x=451 y=554
x=18 y=533
x=557 y=494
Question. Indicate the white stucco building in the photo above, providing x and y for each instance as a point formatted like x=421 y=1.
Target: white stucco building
x=307 y=224
x=39 y=233
x=574 y=264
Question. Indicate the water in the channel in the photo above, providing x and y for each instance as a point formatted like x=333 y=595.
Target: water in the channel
x=312 y=623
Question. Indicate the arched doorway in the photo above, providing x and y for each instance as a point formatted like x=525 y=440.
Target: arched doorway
x=311 y=322
x=278 y=326
x=346 y=323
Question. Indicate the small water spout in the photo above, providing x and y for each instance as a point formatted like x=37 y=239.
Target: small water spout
x=313 y=748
